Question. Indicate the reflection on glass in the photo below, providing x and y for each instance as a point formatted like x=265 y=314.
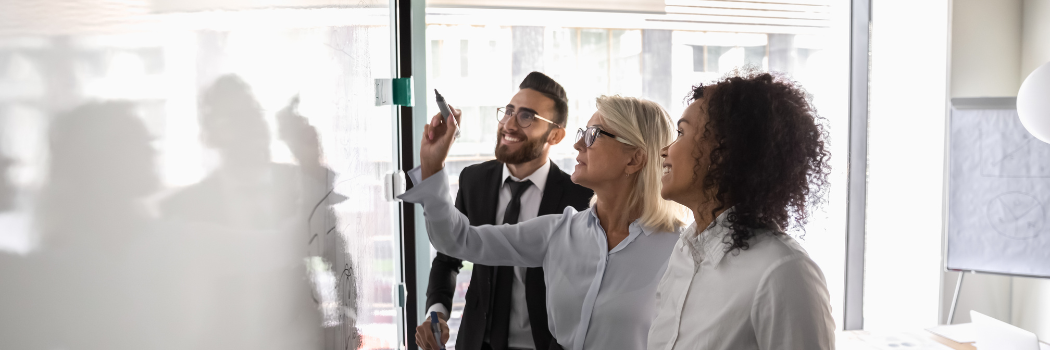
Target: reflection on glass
x=197 y=180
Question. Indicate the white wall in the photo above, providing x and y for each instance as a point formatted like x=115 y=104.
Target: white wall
x=1035 y=38
x=994 y=41
x=909 y=68
x=1031 y=297
x=985 y=62
x=986 y=48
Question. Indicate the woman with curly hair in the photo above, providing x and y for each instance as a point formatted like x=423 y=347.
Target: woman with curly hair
x=748 y=161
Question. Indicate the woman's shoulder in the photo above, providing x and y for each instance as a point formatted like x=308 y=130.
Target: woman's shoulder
x=774 y=245
x=585 y=214
x=777 y=251
x=767 y=249
x=568 y=216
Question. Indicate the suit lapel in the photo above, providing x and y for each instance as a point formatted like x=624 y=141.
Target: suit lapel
x=551 y=202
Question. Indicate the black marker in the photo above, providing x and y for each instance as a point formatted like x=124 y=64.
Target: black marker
x=445 y=111
x=435 y=327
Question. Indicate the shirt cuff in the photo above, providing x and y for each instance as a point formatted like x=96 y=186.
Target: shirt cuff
x=427 y=191
x=439 y=307
x=416 y=175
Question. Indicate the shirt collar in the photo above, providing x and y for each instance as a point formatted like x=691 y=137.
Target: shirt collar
x=538 y=177
x=713 y=238
x=636 y=229
x=635 y=226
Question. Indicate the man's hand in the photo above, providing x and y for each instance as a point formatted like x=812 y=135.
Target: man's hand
x=437 y=139
x=425 y=336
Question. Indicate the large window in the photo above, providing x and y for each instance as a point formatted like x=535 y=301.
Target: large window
x=905 y=173
x=477 y=54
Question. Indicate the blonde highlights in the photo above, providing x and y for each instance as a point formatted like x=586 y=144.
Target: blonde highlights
x=649 y=127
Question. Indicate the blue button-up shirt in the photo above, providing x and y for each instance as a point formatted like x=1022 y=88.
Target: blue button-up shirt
x=597 y=298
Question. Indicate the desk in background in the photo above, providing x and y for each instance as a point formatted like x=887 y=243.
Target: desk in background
x=912 y=340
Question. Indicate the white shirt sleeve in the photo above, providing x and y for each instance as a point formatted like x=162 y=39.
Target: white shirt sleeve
x=439 y=308
x=524 y=244
x=791 y=309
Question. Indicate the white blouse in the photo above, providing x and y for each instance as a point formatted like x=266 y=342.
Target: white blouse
x=597 y=298
x=770 y=296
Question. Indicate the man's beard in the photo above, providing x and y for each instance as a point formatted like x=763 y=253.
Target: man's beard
x=530 y=150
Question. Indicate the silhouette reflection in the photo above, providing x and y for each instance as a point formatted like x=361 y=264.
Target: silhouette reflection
x=86 y=286
x=268 y=211
x=247 y=190
x=200 y=212
x=330 y=265
x=101 y=167
x=110 y=276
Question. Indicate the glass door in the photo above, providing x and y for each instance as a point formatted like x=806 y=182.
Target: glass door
x=197 y=175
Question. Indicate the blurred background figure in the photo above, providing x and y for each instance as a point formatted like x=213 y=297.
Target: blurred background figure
x=101 y=168
x=87 y=287
x=246 y=190
x=264 y=211
x=330 y=265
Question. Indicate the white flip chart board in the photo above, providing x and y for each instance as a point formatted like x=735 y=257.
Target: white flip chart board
x=999 y=195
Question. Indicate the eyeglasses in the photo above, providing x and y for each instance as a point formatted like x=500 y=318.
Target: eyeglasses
x=590 y=134
x=524 y=117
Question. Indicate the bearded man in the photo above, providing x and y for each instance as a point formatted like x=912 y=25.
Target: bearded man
x=506 y=307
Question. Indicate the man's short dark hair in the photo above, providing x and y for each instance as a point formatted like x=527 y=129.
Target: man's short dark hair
x=548 y=87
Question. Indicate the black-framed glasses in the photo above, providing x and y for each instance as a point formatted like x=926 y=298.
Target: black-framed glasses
x=590 y=134
x=524 y=117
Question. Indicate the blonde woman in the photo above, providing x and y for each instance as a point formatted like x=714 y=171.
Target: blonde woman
x=602 y=264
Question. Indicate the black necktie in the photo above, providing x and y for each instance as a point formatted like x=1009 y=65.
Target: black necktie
x=510 y=216
x=502 y=299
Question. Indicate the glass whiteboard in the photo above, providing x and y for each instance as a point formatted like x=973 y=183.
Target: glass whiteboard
x=196 y=180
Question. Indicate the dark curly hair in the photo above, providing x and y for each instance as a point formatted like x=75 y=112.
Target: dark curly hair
x=768 y=159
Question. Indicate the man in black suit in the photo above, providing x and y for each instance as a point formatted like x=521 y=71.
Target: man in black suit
x=506 y=307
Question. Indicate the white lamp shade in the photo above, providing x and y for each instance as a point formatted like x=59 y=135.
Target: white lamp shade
x=1033 y=103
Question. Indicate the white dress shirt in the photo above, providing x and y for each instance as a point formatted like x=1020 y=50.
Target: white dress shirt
x=597 y=298
x=770 y=296
x=519 y=334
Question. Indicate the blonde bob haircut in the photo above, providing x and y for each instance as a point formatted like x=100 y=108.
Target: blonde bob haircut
x=647 y=126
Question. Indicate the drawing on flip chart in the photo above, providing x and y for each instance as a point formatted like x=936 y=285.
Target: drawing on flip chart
x=999 y=190
x=1009 y=151
x=1016 y=215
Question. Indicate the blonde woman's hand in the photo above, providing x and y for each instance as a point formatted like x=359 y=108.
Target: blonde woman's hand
x=438 y=136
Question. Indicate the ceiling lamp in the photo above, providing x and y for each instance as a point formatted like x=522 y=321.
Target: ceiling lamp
x=1033 y=103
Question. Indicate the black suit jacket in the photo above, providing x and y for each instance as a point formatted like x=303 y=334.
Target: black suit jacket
x=478 y=198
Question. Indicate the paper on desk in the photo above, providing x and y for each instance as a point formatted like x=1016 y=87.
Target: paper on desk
x=959 y=333
x=886 y=341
